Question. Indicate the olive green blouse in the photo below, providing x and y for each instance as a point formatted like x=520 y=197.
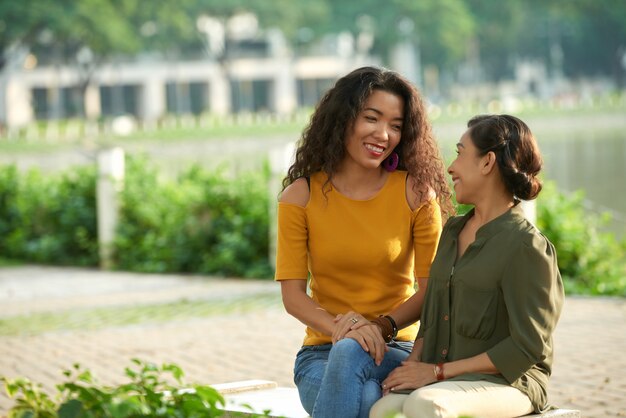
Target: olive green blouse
x=502 y=297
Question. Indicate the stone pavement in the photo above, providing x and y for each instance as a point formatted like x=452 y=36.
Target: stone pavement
x=245 y=341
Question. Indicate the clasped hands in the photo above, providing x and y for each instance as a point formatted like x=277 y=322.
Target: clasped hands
x=367 y=334
x=411 y=374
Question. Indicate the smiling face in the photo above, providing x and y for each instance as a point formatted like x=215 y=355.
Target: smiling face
x=465 y=170
x=376 y=130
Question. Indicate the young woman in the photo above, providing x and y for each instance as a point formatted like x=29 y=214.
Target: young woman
x=495 y=292
x=359 y=220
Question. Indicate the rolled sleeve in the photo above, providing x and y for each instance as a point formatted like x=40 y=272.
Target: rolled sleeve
x=533 y=295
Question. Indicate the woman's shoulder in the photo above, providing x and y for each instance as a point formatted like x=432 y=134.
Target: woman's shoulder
x=417 y=194
x=522 y=233
x=297 y=193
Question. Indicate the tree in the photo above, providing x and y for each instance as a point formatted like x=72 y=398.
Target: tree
x=575 y=38
x=440 y=27
x=496 y=36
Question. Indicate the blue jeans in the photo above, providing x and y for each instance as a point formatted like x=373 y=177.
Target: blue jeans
x=342 y=380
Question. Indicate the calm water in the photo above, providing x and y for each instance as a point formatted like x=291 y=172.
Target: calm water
x=597 y=166
x=587 y=153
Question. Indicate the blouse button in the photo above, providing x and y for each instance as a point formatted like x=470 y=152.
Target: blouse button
x=444 y=352
x=445 y=317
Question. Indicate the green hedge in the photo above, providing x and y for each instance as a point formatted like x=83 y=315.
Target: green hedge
x=591 y=261
x=208 y=223
x=48 y=219
x=201 y=223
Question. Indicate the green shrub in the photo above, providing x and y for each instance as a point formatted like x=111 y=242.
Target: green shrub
x=147 y=394
x=49 y=219
x=202 y=223
x=9 y=212
x=591 y=261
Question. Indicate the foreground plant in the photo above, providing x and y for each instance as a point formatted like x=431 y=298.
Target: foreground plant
x=148 y=394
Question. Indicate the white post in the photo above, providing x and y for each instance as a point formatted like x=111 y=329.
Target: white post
x=110 y=183
x=280 y=161
x=530 y=210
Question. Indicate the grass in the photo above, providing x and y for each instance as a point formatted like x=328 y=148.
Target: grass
x=260 y=129
x=215 y=129
x=118 y=316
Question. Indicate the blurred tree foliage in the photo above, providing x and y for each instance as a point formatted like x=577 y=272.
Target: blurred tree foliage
x=575 y=37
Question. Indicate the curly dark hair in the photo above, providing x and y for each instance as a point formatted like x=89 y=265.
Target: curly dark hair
x=322 y=144
x=516 y=150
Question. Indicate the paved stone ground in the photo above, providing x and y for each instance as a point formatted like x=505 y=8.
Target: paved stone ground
x=251 y=343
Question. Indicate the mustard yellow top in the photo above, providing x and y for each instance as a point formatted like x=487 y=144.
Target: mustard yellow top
x=362 y=255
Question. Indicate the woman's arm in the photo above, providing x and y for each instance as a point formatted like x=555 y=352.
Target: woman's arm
x=415 y=374
x=300 y=305
x=410 y=311
x=291 y=270
x=427 y=226
x=292 y=259
x=533 y=294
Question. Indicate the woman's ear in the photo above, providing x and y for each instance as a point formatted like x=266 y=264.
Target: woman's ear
x=488 y=162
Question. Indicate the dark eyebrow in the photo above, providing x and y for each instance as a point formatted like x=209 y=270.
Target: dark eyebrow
x=459 y=145
x=378 y=112
x=373 y=110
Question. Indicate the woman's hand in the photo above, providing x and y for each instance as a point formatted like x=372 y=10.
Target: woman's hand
x=368 y=335
x=371 y=341
x=345 y=322
x=410 y=375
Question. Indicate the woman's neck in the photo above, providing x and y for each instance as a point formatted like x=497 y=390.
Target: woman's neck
x=489 y=209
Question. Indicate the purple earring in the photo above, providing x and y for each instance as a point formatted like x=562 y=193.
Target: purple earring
x=391 y=163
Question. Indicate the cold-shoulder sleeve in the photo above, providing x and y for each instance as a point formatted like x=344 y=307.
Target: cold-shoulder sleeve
x=291 y=246
x=426 y=233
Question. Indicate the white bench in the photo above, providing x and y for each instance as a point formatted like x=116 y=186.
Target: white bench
x=258 y=396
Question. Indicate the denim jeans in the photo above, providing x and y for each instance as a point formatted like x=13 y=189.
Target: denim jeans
x=342 y=380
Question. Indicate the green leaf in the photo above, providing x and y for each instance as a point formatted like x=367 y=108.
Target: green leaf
x=22 y=414
x=71 y=409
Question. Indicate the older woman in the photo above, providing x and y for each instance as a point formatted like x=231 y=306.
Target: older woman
x=495 y=293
